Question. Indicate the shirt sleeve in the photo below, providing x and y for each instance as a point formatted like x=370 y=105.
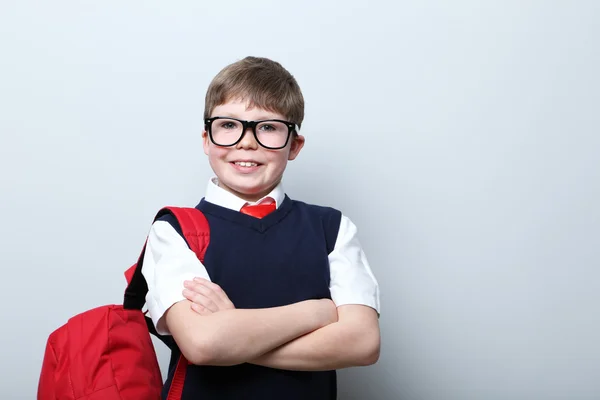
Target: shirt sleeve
x=352 y=280
x=167 y=263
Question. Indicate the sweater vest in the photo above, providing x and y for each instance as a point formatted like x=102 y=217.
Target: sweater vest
x=278 y=260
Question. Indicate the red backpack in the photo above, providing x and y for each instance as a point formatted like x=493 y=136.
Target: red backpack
x=106 y=353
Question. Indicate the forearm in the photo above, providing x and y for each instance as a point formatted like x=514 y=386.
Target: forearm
x=335 y=346
x=235 y=336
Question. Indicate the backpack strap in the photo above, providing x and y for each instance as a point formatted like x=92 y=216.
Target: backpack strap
x=194 y=227
x=196 y=233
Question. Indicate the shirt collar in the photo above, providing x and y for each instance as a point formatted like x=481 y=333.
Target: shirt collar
x=221 y=197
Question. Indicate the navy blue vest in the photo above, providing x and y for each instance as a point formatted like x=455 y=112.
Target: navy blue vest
x=275 y=261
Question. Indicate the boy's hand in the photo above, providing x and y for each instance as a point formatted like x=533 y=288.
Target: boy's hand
x=206 y=296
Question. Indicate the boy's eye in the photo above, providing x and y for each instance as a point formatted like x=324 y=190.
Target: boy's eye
x=228 y=125
x=267 y=127
x=272 y=127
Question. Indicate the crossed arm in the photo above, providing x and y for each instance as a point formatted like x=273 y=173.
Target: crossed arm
x=310 y=335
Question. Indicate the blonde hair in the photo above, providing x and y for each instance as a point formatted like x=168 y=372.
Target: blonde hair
x=261 y=82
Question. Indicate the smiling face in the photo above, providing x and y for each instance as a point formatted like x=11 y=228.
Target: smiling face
x=247 y=169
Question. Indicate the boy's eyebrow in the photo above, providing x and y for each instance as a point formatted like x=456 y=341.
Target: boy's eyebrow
x=260 y=118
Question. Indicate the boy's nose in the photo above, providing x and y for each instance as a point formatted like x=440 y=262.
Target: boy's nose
x=248 y=140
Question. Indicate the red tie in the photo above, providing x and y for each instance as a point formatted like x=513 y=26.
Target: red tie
x=258 y=210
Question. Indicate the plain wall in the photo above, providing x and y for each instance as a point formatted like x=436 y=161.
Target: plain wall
x=461 y=137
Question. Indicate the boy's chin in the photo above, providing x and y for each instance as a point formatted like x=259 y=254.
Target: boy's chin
x=249 y=192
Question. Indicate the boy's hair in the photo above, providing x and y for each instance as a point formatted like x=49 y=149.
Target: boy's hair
x=263 y=83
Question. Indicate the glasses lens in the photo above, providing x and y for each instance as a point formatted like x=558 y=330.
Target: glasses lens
x=226 y=132
x=272 y=133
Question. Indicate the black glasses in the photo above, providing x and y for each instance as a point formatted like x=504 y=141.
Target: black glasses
x=272 y=134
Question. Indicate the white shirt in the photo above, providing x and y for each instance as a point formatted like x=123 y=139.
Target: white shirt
x=168 y=261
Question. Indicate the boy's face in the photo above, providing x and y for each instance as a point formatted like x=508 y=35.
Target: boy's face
x=249 y=182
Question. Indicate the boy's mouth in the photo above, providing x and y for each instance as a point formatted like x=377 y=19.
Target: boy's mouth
x=246 y=163
x=246 y=166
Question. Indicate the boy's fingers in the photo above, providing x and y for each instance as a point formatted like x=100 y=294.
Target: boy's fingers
x=202 y=288
x=200 y=299
x=211 y=291
x=218 y=290
x=200 y=309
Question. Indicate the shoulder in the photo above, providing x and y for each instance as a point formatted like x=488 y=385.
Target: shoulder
x=331 y=217
x=316 y=210
x=188 y=219
x=327 y=219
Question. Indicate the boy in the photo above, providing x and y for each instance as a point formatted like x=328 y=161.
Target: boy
x=285 y=295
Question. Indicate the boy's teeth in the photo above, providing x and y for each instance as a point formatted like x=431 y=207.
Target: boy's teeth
x=246 y=164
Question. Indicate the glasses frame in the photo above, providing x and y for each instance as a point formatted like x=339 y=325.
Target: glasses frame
x=249 y=124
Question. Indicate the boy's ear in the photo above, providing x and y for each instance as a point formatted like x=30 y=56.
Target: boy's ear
x=297 y=145
x=205 y=141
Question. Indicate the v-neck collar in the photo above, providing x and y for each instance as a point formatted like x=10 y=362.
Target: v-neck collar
x=261 y=225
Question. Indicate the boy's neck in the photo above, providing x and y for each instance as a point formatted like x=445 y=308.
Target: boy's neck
x=224 y=196
x=249 y=197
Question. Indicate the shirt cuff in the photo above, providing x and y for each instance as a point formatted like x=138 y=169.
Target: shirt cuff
x=369 y=299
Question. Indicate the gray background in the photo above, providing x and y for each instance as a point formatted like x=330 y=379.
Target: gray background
x=461 y=137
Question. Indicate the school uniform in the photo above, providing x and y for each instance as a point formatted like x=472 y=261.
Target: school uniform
x=298 y=252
